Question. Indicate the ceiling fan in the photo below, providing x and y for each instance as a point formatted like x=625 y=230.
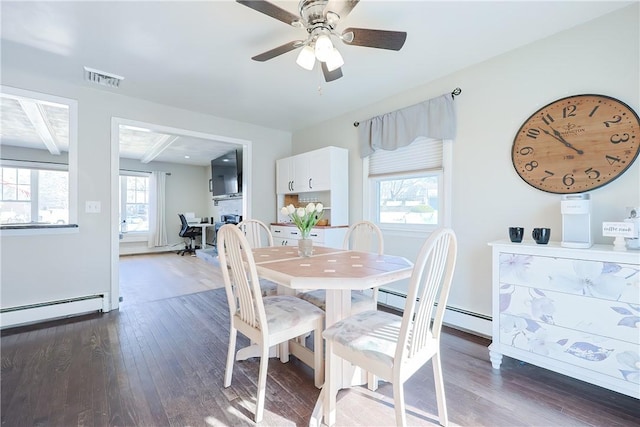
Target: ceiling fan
x=320 y=19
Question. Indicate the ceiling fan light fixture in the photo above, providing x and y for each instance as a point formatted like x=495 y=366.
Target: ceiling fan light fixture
x=335 y=60
x=324 y=48
x=306 y=58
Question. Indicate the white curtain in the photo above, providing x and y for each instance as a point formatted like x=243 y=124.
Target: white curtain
x=157 y=220
x=432 y=119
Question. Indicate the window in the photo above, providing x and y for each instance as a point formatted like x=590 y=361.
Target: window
x=34 y=196
x=407 y=187
x=38 y=169
x=134 y=203
x=408 y=199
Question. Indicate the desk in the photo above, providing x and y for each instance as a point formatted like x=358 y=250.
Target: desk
x=203 y=226
x=338 y=272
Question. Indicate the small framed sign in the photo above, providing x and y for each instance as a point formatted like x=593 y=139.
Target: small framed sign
x=618 y=229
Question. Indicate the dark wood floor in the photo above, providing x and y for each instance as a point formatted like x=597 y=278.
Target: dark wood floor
x=161 y=362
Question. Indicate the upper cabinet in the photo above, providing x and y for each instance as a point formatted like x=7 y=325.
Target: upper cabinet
x=312 y=171
x=285 y=175
x=320 y=176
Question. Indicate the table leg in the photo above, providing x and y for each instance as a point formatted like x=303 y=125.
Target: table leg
x=338 y=307
x=341 y=374
x=204 y=237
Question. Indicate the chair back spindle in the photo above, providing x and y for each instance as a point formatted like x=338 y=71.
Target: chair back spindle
x=431 y=278
x=257 y=233
x=364 y=236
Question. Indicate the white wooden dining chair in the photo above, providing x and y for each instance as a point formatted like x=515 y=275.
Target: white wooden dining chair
x=267 y=321
x=363 y=236
x=258 y=235
x=393 y=347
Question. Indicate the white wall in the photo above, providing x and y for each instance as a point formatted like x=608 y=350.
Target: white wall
x=600 y=57
x=52 y=267
x=186 y=191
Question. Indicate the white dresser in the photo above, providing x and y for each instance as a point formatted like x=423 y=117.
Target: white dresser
x=573 y=311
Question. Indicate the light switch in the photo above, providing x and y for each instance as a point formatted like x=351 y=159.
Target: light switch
x=92 y=207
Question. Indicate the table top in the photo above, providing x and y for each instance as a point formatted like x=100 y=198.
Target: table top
x=329 y=268
x=279 y=253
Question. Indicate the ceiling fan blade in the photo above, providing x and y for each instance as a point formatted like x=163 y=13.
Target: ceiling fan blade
x=380 y=39
x=330 y=76
x=340 y=7
x=271 y=10
x=270 y=54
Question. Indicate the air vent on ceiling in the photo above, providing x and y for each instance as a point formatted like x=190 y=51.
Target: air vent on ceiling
x=102 y=78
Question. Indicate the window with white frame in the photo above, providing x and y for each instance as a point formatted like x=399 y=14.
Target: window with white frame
x=38 y=168
x=134 y=203
x=37 y=194
x=406 y=187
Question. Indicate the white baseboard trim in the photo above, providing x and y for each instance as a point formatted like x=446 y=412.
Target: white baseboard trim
x=53 y=310
x=147 y=250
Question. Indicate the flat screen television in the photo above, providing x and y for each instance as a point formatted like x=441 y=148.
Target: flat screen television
x=226 y=175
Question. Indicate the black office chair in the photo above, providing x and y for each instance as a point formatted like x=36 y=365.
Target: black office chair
x=188 y=232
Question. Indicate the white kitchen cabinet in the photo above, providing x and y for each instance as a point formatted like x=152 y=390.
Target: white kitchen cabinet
x=284 y=175
x=573 y=311
x=288 y=235
x=323 y=166
x=312 y=171
x=292 y=175
x=284 y=235
x=320 y=175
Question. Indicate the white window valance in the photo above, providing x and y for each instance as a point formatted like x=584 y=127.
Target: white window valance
x=432 y=119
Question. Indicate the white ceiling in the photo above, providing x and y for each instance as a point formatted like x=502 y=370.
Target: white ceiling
x=196 y=54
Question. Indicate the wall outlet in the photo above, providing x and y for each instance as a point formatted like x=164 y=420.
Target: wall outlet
x=92 y=207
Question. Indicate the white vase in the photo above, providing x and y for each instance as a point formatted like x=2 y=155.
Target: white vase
x=305 y=247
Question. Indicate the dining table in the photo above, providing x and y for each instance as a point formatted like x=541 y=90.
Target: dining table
x=338 y=272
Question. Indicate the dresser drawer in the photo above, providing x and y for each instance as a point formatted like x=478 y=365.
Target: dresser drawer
x=614 y=319
x=607 y=356
x=605 y=280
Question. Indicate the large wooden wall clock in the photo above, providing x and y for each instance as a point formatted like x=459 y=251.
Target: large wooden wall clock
x=576 y=144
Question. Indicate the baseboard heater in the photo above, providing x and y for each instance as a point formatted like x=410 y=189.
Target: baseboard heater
x=14 y=316
x=455 y=317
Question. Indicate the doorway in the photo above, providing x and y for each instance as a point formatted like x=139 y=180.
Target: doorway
x=161 y=152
